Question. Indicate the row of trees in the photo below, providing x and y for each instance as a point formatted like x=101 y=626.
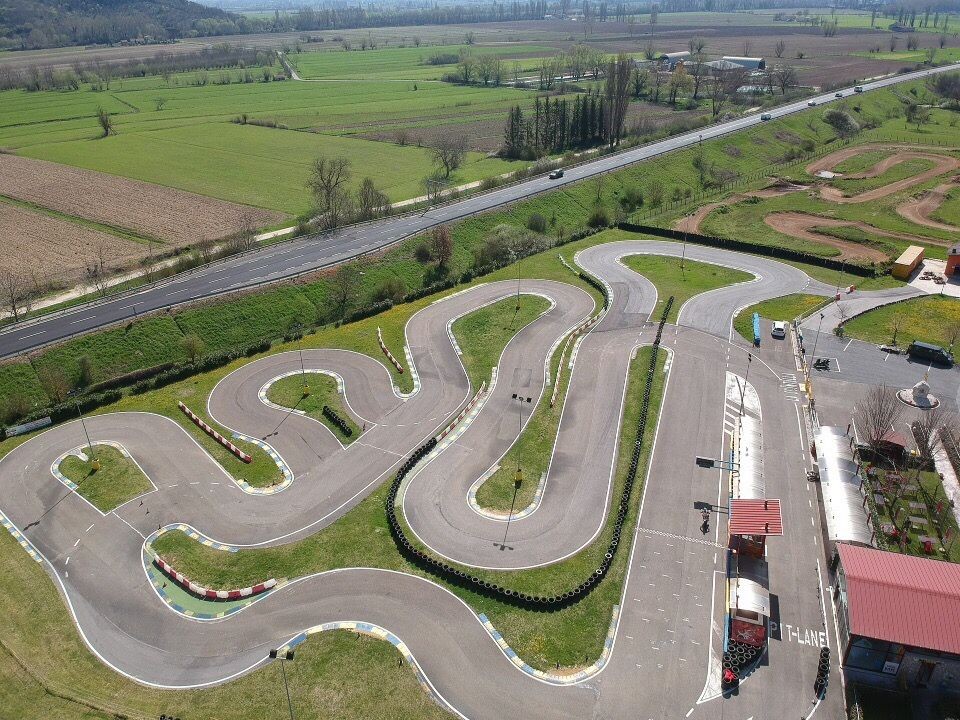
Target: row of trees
x=558 y=125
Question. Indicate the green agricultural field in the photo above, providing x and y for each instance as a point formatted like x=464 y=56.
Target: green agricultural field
x=322 y=389
x=682 y=283
x=784 y=309
x=933 y=319
x=118 y=480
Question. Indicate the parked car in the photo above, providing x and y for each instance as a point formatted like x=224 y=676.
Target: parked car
x=858 y=88
x=766 y=116
x=556 y=174
x=779 y=329
x=929 y=352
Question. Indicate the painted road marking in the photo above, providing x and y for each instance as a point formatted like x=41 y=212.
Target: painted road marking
x=801 y=636
x=90 y=528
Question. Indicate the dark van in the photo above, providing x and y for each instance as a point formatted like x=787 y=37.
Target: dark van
x=930 y=353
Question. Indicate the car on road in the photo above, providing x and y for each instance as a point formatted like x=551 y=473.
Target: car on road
x=556 y=174
x=838 y=95
x=929 y=352
x=811 y=103
x=858 y=89
x=766 y=116
x=779 y=329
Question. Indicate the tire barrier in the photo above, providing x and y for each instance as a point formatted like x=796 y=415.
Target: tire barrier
x=463 y=413
x=214 y=434
x=386 y=351
x=596 y=284
x=823 y=672
x=207 y=594
x=441 y=569
x=330 y=414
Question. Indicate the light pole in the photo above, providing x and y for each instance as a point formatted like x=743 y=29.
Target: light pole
x=288 y=655
x=840 y=279
x=94 y=463
x=303 y=373
x=813 y=355
x=518 y=478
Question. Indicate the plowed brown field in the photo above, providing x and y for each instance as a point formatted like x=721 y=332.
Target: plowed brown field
x=173 y=216
x=57 y=249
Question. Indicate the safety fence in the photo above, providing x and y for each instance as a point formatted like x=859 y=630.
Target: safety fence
x=213 y=433
x=386 y=351
x=461 y=578
x=206 y=593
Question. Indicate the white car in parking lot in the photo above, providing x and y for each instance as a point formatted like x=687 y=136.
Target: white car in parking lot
x=779 y=329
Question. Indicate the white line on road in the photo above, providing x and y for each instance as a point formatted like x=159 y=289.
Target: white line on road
x=847 y=345
x=24 y=337
x=90 y=528
x=77 y=542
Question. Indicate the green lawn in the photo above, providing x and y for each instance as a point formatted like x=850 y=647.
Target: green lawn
x=289 y=392
x=900 y=171
x=484 y=333
x=933 y=319
x=119 y=478
x=682 y=283
x=949 y=212
x=784 y=308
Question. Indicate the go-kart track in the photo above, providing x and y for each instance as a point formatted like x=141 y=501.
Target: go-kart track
x=662 y=657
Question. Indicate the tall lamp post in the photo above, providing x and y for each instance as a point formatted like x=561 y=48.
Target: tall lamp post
x=288 y=655
x=746 y=377
x=94 y=463
x=813 y=355
x=297 y=328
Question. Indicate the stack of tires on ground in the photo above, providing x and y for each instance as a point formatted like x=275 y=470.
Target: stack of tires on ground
x=823 y=672
x=330 y=414
x=738 y=658
x=561 y=600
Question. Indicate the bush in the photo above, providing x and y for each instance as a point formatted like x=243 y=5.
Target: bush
x=84 y=370
x=599 y=217
x=392 y=289
x=422 y=253
x=537 y=223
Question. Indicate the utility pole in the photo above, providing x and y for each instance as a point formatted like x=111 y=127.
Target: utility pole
x=813 y=355
x=746 y=377
x=94 y=463
x=275 y=655
x=518 y=478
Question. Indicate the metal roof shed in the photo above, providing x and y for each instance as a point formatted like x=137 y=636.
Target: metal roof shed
x=900 y=598
x=755 y=517
x=843 y=500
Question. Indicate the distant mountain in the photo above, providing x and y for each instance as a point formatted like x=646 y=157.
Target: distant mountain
x=26 y=24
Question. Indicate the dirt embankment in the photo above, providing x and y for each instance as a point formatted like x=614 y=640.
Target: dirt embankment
x=942 y=164
x=691 y=223
x=918 y=210
x=173 y=216
x=799 y=225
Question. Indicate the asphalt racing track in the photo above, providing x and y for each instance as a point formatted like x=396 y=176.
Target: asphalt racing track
x=305 y=255
x=664 y=653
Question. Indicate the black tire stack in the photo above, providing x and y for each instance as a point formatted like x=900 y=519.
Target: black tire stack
x=823 y=672
x=460 y=578
x=330 y=414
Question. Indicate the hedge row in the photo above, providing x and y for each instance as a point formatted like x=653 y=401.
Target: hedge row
x=744 y=246
x=461 y=578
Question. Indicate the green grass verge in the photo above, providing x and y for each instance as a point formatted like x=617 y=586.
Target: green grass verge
x=288 y=392
x=784 y=308
x=484 y=333
x=949 y=211
x=362 y=537
x=682 y=283
x=48 y=671
x=933 y=319
x=118 y=480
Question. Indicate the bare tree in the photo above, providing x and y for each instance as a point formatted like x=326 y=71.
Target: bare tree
x=326 y=177
x=876 y=414
x=449 y=152
x=106 y=122
x=747 y=47
x=779 y=48
x=953 y=334
x=696 y=45
x=926 y=432
x=442 y=245
x=371 y=202
x=343 y=289
x=617 y=91
x=16 y=293
x=340 y=210
x=786 y=77
x=97 y=269
x=159 y=103
x=896 y=322
x=54 y=382
x=698 y=71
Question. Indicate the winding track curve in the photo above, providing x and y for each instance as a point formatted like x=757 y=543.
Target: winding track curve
x=125 y=624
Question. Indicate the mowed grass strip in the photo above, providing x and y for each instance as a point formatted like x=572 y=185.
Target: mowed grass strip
x=321 y=391
x=932 y=319
x=48 y=671
x=484 y=334
x=682 y=279
x=784 y=309
x=118 y=480
x=362 y=538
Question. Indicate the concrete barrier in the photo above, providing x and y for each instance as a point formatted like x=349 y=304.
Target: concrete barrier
x=386 y=351
x=214 y=434
x=463 y=413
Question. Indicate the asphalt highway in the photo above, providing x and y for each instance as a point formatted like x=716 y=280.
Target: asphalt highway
x=300 y=256
x=665 y=650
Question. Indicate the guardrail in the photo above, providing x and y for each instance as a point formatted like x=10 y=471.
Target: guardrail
x=207 y=593
x=213 y=433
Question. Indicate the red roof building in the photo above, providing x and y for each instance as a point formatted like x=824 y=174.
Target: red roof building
x=899 y=617
x=901 y=598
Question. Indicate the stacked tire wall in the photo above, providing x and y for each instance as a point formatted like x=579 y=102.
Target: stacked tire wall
x=441 y=569
x=330 y=414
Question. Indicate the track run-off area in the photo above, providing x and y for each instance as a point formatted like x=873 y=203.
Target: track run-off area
x=661 y=656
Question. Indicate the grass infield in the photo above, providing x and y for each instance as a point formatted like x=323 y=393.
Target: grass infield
x=288 y=392
x=933 y=319
x=784 y=308
x=118 y=480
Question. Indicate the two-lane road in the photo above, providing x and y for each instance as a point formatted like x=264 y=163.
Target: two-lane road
x=311 y=253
